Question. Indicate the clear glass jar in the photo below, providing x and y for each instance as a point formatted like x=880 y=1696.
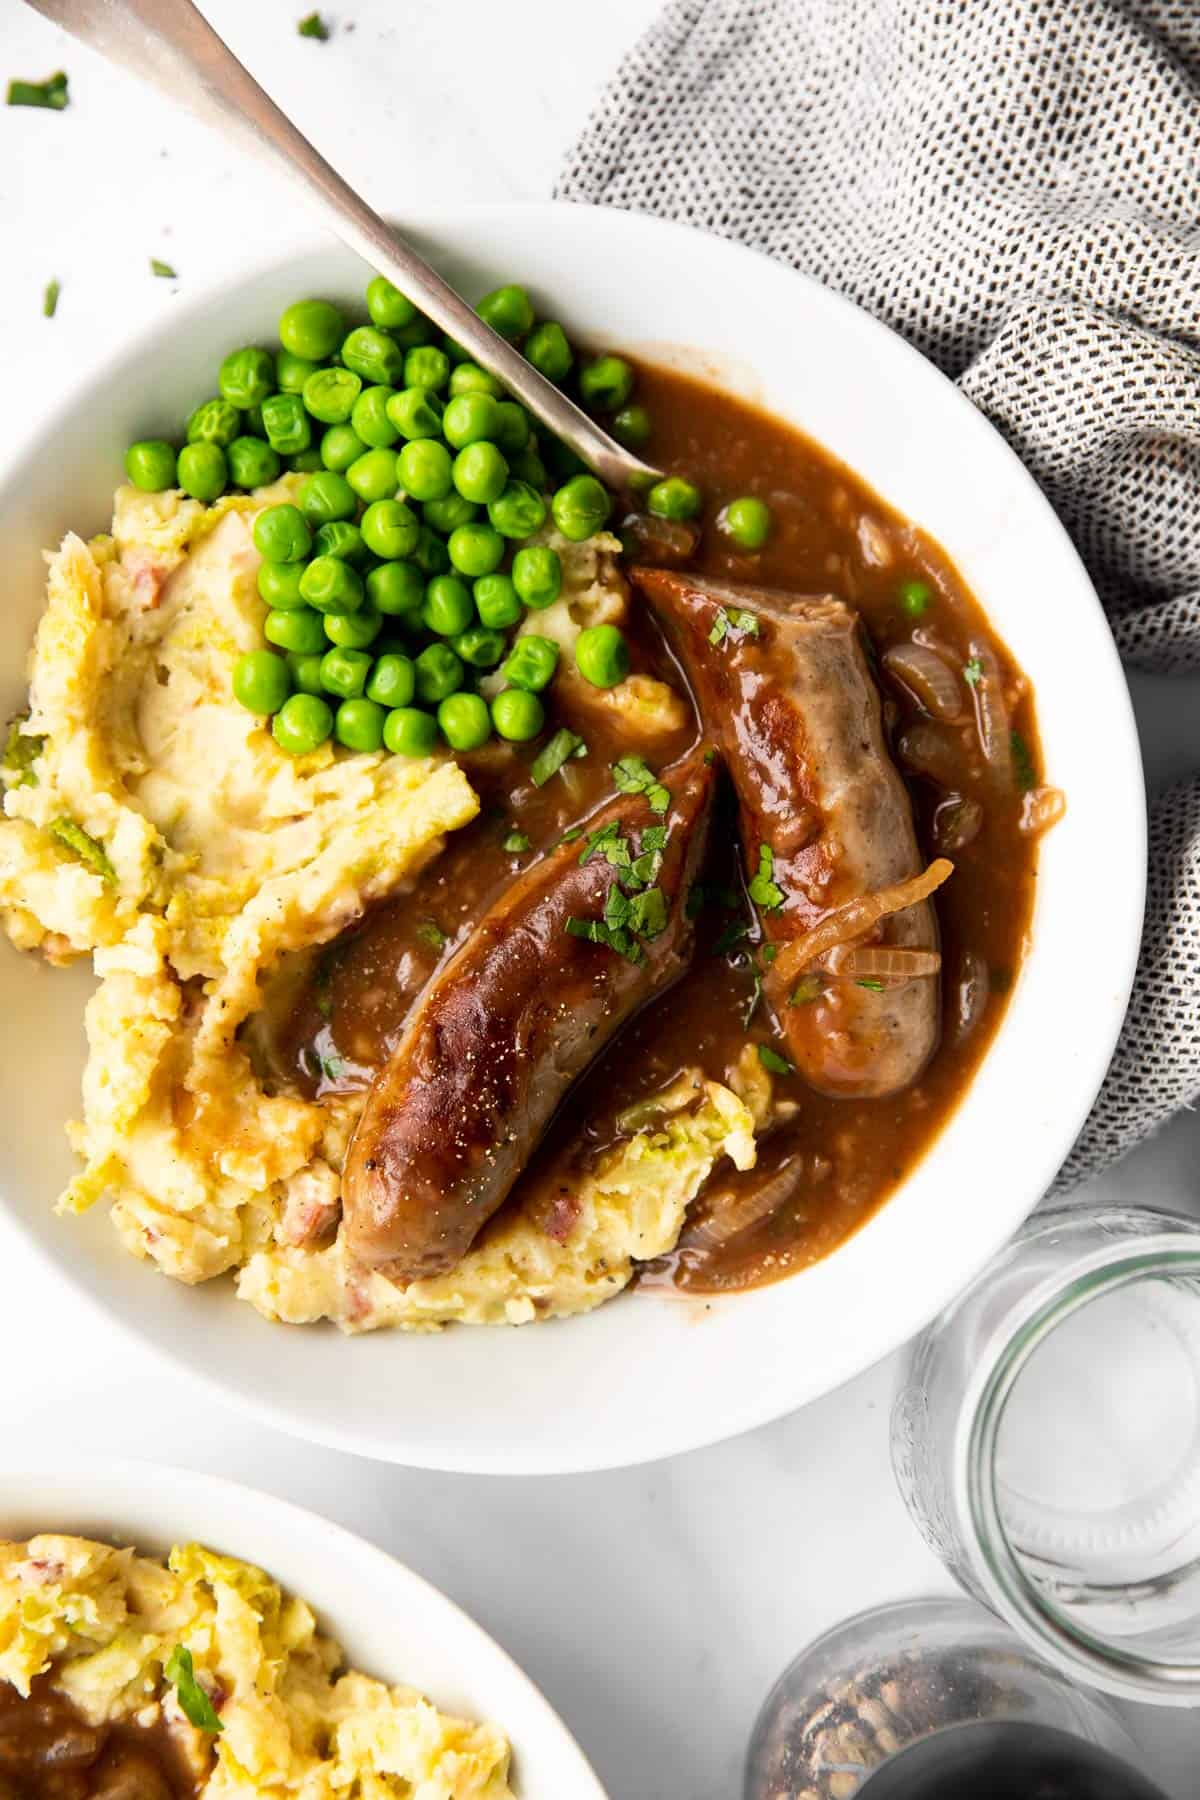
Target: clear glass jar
x=1046 y=1437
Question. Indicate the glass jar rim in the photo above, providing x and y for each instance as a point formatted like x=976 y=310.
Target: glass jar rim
x=1004 y=1582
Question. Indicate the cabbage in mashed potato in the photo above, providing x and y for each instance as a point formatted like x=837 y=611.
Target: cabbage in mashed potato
x=105 y=1628
x=152 y=822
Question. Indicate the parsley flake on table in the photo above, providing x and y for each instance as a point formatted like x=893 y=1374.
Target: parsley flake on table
x=162 y=269
x=771 y=1059
x=312 y=25
x=763 y=889
x=50 y=94
x=197 y=1708
x=50 y=294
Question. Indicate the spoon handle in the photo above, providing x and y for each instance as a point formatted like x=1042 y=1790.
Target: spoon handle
x=171 y=45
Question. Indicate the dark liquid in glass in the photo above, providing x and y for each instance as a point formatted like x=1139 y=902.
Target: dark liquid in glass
x=1006 y=1761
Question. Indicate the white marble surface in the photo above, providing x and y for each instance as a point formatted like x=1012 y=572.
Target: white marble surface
x=654 y=1606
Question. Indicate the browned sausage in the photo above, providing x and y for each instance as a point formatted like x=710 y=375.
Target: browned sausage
x=498 y=1037
x=797 y=715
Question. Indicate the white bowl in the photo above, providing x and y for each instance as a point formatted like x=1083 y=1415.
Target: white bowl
x=641 y=1377
x=390 y=1623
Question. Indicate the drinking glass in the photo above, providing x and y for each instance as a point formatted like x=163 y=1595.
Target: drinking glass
x=1046 y=1437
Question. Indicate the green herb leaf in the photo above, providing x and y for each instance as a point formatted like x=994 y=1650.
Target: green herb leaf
x=720 y=626
x=806 y=990
x=763 y=890
x=431 y=933
x=869 y=981
x=710 y=757
x=551 y=757
x=648 y=912
x=332 y=1067
x=162 y=268
x=735 y=619
x=644 y=869
x=21 y=751
x=632 y=775
x=196 y=1705
x=618 y=908
x=51 y=93
x=50 y=294
x=598 y=839
x=654 y=837
x=313 y=26
x=973 y=672
x=771 y=1059
x=595 y=931
x=770 y=952
x=83 y=847
x=1024 y=772
x=515 y=843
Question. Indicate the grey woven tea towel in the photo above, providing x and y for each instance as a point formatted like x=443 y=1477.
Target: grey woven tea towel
x=1015 y=186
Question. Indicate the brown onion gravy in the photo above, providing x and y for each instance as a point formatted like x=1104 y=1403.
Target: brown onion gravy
x=825 y=1170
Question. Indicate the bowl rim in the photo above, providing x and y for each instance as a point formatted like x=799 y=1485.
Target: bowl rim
x=912 y=1305
x=77 y=1478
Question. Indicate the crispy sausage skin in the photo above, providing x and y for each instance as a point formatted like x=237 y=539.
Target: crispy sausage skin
x=496 y=1039
x=797 y=715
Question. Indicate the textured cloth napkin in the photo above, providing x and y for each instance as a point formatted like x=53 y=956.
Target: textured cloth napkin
x=1015 y=186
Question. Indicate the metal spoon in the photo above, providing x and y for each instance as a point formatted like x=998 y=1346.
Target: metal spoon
x=169 y=44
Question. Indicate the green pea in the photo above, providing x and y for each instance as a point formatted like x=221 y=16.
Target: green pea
x=581 y=507
x=431 y=555
x=409 y=732
x=602 y=655
x=279 y=585
x=216 y=422
x=331 y=585
x=631 y=426
x=393 y=681
x=291 y=372
x=355 y=630
x=358 y=725
x=537 y=575
x=513 y=433
x=373 y=355
x=508 y=310
x=201 y=471
x=373 y=475
x=469 y=378
x=281 y=534
x=387 y=306
x=517 y=715
x=747 y=521
x=306 y=672
x=299 y=629
x=606 y=383
x=417 y=331
x=340 y=538
x=547 y=349
x=674 y=498
x=527 y=466
x=246 y=377
x=390 y=529
x=479 y=471
x=252 y=464
x=415 y=413
x=286 y=423
x=370 y=417
x=531 y=662
x=397 y=589
x=497 y=601
x=426 y=367
x=470 y=419
x=344 y=672
x=326 y=496
x=451 y=511
x=329 y=395
x=479 y=647
x=305 y=462
x=438 y=672
x=448 y=607
x=475 y=549
x=464 y=721
x=518 y=511
x=423 y=468
x=150 y=465
x=302 y=724
x=261 y=681
x=312 y=329
x=341 y=446
x=915 y=597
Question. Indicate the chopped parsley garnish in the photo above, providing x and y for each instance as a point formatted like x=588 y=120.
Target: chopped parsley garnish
x=162 y=268
x=648 y=912
x=806 y=990
x=51 y=93
x=50 y=294
x=313 y=26
x=598 y=842
x=615 y=938
x=710 y=757
x=654 y=837
x=771 y=1059
x=764 y=890
x=21 y=751
x=632 y=775
x=83 y=847
x=195 y=1703
x=571 y=835
x=551 y=757
x=515 y=843
x=770 y=952
x=633 y=907
x=331 y=1067
x=431 y=933
x=870 y=981
x=736 y=932
x=1024 y=773
x=973 y=672
x=735 y=619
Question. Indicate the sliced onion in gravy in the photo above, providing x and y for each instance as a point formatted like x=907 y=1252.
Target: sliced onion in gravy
x=928 y=678
x=991 y=711
x=1042 y=808
x=883 y=962
x=858 y=917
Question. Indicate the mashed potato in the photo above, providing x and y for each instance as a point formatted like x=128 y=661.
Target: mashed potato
x=102 y=1623
x=152 y=822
